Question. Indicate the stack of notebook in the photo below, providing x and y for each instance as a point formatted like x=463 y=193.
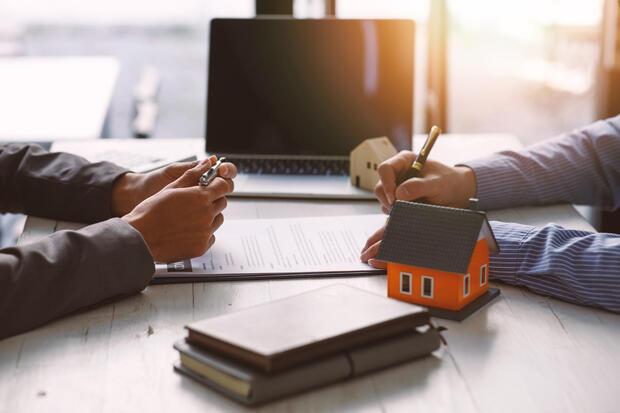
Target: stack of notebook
x=302 y=342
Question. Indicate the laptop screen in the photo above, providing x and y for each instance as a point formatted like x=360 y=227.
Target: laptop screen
x=284 y=86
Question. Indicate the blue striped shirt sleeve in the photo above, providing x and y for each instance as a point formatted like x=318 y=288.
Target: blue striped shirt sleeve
x=575 y=266
x=582 y=167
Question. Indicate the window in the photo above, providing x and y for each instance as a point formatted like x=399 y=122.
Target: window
x=375 y=166
x=368 y=165
x=483 y=274
x=428 y=286
x=553 y=50
x=405 y=283
x=466 y=285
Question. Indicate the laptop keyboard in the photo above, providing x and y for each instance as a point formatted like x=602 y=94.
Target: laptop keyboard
x=291 y=166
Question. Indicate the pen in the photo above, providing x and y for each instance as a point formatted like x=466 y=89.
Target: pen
x=210 y=175
x=418 y=164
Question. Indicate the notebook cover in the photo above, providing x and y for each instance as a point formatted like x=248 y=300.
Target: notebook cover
x=290 y=331
x=267 y=387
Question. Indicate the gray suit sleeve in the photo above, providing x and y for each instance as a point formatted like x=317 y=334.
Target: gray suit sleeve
x=55 y=185
x=68 y=271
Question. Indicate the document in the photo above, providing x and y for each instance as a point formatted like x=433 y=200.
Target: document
x=276 y=248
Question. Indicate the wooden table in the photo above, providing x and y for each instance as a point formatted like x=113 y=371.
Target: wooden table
x=523 y=353
x=48 y=98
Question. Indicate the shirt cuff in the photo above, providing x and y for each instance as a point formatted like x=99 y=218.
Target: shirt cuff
x=495 y=183
x=505 y=265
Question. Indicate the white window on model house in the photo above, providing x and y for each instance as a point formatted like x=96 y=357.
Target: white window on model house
x=483 y=274
x=466 y=285
x=427 y=287
x=405 y=283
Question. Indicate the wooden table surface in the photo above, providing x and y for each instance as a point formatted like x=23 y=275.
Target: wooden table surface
x=522 y=353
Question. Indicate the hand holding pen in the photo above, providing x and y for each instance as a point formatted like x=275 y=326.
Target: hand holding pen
x=180 y=220
x=437 y=183
x=206 y=170
x=410 y=177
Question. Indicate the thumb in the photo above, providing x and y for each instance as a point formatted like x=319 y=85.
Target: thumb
x=414 y=188
x=191 y=176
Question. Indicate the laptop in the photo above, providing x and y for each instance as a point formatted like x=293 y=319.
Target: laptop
x=288 y=99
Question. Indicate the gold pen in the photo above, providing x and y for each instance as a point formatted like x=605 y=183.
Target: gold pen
x=418 y=164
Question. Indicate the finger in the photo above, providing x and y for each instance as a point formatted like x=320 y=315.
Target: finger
x=211 y=241
x=217 y=222
x=175 y=170
x=191 y=176
x=415 y=188
x=371 y=252
x=380 y=194
x=218 y=188
x=228 y=170
x=206 y=245
x=374 y=238
x=381 y=265
x=401 y=161
x=218 y=206
x=389 y=171
x=387 y=178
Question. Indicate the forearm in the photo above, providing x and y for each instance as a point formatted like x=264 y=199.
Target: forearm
x=575 y=266
x=55 y=185
x=68 y=271
x=582 y=167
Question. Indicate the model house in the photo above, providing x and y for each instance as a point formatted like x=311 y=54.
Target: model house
x=365 y=159
x=438 y=257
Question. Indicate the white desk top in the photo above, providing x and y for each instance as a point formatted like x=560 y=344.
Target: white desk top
x=47 y=98
x=523 y=353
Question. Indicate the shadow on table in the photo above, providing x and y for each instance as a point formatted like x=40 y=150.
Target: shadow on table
x=476 y=335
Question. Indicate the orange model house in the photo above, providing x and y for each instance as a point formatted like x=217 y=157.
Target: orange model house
x=438 y=257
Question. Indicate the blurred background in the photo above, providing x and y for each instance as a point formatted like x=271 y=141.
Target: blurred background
x=532 y=68
x=527 y=67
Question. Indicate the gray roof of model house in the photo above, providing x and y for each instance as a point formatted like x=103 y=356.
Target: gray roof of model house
x=435 y=237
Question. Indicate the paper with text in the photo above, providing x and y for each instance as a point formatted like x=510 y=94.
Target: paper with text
x=318 y=245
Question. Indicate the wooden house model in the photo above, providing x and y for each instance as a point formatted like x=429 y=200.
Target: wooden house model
x=438 y=257
x=365 y=159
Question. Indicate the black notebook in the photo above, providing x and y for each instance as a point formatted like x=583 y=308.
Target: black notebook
x=304 y=341
x=251 y=386
x=283 y=333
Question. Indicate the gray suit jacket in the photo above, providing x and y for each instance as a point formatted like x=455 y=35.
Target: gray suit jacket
x=70 y=269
